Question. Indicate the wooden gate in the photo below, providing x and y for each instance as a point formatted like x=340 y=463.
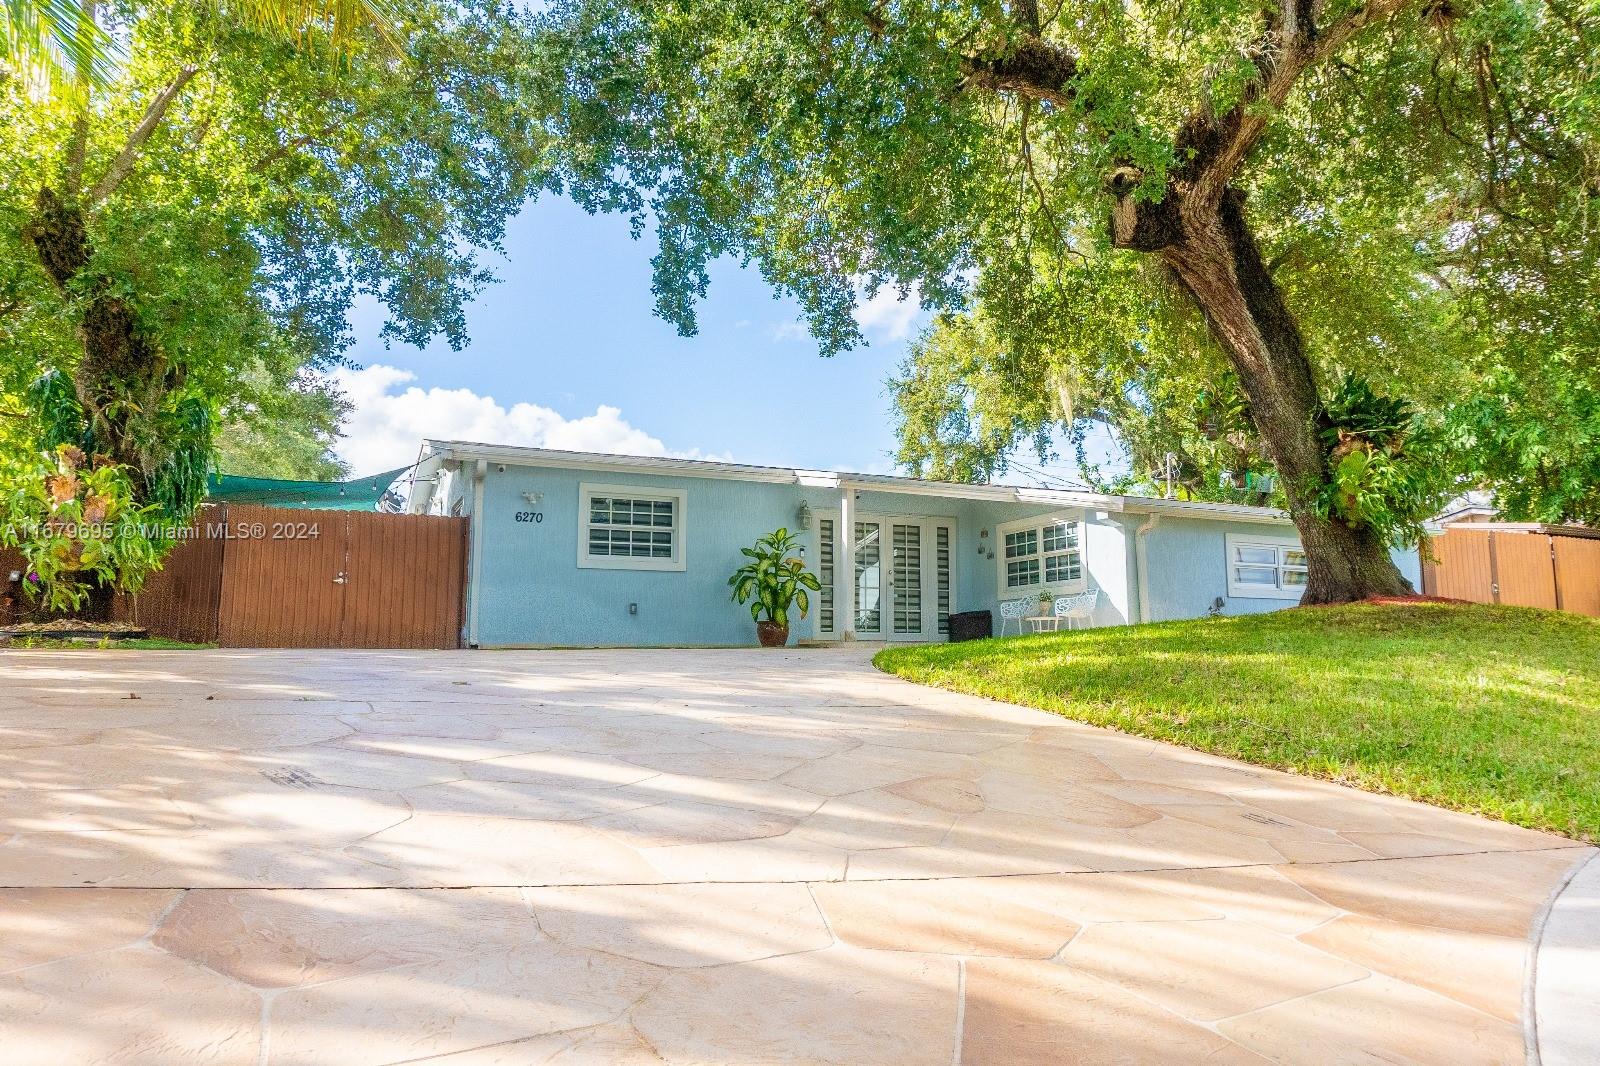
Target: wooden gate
x=341 y=579
x=1527 y=567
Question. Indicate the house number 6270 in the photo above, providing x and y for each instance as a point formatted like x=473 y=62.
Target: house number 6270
x=530 y=516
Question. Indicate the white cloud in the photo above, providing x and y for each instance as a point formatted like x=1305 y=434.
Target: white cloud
x=788 y=331
x=390 y=418
x=883 y=317
x=886 y=316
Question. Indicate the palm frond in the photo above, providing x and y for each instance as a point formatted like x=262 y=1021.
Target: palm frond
x=342 y=21
x=56 y=42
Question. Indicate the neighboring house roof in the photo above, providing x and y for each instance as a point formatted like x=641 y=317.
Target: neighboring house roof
x=435 y=453
x=1588 y=532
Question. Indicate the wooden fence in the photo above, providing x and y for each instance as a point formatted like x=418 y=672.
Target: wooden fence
x=1527 y=566
x=267 y=577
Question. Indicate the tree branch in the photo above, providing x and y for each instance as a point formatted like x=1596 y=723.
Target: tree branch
x=122 y=166
x=304 y=140
x=1035 y=69
x=1025 y=13
x=1290 y=45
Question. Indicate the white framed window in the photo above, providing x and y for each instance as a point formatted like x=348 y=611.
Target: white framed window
x=627 y=527
x=1040 y=553
x=1265 y=567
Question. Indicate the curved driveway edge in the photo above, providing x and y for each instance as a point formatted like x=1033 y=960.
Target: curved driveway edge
x=1565 y=1014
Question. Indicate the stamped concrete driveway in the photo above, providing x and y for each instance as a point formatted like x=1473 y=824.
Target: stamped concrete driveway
x=723 y=857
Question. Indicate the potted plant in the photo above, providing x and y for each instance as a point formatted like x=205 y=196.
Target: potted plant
x=776 y=579
x=1047 y=602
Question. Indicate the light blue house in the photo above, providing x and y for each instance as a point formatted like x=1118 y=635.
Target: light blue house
x=574 y=548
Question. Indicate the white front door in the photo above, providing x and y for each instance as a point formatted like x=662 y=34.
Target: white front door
x=902 y=575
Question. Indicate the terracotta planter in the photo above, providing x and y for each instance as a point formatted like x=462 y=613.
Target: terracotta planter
x=771 y=634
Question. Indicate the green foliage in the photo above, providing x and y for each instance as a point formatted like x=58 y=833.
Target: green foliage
x=1536 y=439
x=1387 y=466
x=60 y=416
x=1424 y=196
x=288 y=433
x=76 y=523
x=54 y=43
x=966 y=403
x=774 y=578
x=178 y=482
x=291 y=175
x=1355 y=413
x=59 y=43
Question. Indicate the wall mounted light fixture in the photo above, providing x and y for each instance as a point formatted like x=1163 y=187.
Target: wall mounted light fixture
x=802 y=515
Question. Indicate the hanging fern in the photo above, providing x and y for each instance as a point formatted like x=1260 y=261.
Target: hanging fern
x=1385 y=468
x=61 y=419
x=178 y=483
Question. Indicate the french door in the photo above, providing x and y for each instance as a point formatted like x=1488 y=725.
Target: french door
x=901 y=574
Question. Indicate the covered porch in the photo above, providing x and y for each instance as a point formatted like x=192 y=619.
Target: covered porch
x=897 y=559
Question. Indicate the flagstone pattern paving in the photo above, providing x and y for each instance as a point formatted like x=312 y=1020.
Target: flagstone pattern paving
x=696 y=856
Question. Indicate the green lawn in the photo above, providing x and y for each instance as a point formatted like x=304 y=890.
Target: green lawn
x=1494 y=710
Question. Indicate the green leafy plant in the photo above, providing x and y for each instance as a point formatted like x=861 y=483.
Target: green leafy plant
x=775 y=578
x=1385 y=467
x=76 y=523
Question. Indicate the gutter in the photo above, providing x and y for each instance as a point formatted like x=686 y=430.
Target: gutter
x=1141 y=563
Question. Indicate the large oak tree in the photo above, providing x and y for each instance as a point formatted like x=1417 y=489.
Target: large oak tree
x=1318 y=184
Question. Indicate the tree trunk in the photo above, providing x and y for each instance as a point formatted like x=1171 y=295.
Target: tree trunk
x=120 y=370
x=1212 y=255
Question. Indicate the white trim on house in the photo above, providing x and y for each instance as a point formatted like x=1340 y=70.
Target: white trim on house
x=1042 y=552
x=1238 y=545
x=509 y=455
x=587 y=492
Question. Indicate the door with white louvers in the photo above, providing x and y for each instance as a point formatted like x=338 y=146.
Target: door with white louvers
x=902 y=572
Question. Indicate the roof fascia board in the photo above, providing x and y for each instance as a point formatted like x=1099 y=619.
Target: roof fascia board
x=513 y=455
x=1219 y=512
x=643 y=464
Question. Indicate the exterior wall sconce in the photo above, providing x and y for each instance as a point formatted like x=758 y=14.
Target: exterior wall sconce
x=983 y=543
x=534 y=498
x=802 y=515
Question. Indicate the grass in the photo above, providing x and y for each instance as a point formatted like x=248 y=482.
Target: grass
x=1492 y=710
x=143 y=644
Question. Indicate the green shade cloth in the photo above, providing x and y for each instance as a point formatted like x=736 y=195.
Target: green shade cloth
x=358 y=494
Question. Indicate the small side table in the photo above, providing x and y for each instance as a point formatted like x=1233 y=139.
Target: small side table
x=1043 y=623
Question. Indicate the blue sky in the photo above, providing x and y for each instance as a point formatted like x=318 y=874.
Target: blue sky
x=566 y=352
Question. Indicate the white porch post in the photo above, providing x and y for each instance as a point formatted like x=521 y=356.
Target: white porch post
x=844 y=566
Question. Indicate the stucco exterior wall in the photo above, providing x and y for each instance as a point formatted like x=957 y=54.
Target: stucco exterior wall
x=1188 y=568
x=529 y=589
x=533 y=592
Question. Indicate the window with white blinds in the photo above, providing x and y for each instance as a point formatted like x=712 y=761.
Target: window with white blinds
x=1265 y=567
x=629 y=528
x=1042 y=553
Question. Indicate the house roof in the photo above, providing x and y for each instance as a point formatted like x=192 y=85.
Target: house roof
x=437 y=452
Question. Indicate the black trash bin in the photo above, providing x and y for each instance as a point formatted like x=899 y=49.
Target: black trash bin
x=971 y=625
